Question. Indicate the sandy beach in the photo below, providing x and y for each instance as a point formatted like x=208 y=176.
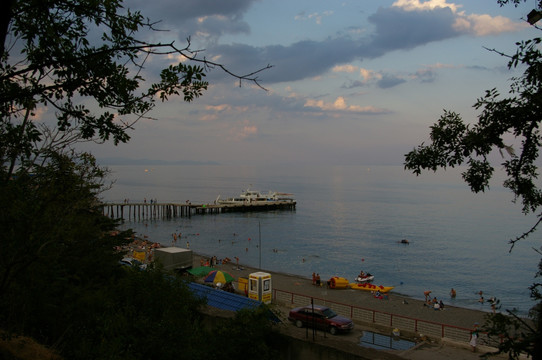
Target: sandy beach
x=395 y=304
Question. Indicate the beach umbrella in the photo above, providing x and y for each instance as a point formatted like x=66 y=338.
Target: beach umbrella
x=200 y=271
x=218 y=276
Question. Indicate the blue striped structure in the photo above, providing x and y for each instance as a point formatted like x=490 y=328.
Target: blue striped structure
x=222 y=299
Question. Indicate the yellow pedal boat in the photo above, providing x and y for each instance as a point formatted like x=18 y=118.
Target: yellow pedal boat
x=370 y=287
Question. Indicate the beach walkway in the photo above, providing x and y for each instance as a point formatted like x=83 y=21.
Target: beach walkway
x=446 y=331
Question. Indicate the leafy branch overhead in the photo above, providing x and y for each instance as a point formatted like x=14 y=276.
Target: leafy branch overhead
x=85 y=60
x=507 y=125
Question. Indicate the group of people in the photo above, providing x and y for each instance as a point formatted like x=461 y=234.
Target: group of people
x=492 y=301
x=438 y=305
x=213 y=261
x=316 y=279
x=178 y=237
x=433 y=303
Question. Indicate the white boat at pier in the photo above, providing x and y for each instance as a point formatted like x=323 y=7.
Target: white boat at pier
x=253 y=197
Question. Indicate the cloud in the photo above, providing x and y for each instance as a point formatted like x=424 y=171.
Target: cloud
x=398 y=29
x=474 y=24
x=345 y=68
x=202 y=20
x=340 y=105
x=221 y=112
x=485 y=25
x=317 y=17
x=190 y=9
x=242 y=131
x=219 y=108
x=366 y=74
x=428 y=74
x=405 y=25
x=414 y=5
x=385 y=80
x=389 y=81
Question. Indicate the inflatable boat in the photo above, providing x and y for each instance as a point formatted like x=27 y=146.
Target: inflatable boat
x=370 y=287
x=338 y=283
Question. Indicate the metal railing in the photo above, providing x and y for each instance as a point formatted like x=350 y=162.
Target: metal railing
x=375 y=317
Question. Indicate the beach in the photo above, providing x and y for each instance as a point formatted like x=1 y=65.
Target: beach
x=395 y=304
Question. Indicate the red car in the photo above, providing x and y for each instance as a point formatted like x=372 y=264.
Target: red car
x=321 y=318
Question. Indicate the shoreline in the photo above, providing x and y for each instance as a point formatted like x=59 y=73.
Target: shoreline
x=425 y=348
x=399 y=305
x=396 y=304
x=448 y=301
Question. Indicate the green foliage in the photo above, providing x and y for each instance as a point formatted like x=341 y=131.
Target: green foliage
x=517 y=335
x=454 y=143
x=83 y=60
x=511 y=126
x=142 y=315
x=49 y=218
x=48 y=212
x=249 y=335
x=60 y=281
x=516 y=2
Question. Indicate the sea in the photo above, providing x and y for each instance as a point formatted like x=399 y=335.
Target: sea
x=349 y=219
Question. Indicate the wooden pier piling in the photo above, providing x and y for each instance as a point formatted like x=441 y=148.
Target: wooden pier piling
x=145 y=211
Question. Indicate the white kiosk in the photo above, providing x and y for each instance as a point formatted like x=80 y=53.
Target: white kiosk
x=259 y=287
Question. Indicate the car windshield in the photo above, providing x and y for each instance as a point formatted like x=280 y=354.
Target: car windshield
x=328 y=313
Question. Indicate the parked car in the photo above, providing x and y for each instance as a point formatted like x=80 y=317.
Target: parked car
x=320 y=317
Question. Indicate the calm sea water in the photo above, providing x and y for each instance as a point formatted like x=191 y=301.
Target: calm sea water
x=350 y=219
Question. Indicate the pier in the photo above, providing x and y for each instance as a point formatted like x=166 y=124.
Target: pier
x=142 y=211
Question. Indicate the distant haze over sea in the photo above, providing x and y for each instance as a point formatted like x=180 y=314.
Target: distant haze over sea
x=129 y=161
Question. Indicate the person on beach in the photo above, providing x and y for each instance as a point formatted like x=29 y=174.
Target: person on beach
x=453 y=293
x=474 y=337
x=493 y=302
x=313 y=278
x=427 y=293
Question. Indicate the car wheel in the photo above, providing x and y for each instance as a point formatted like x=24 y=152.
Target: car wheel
x=299 y=323
x=333 y=330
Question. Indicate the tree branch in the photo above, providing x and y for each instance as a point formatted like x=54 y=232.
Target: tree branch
x=526 y=234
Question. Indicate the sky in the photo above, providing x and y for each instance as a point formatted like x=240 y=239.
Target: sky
x=354 y=82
